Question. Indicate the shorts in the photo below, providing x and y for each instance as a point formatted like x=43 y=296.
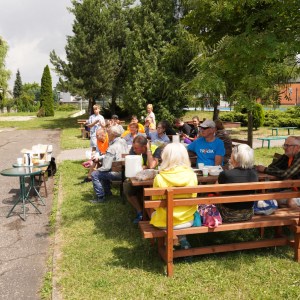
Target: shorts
x=297 y=200
x=234 y=215
x=130 y=190
x=93 y=141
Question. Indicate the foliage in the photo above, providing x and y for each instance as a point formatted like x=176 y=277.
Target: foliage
x=258 y=116
x=18 y=87
x=33 y=108
x=27 y=87
x=158 y=53
x=24 y=102
x=46 y=93
x=120 y=111
x=4 y=73
x=94 y=54
x=65 y=107
x=234 y=117
x=55 y=97
x=41 y=113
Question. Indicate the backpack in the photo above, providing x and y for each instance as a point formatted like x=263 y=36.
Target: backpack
x=53 y=165
x=210 y=215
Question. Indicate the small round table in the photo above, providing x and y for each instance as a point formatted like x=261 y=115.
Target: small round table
x=40 y=165
x=21 y=172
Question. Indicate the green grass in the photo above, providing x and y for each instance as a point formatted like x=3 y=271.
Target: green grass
x=265 y=156
x=105 y=256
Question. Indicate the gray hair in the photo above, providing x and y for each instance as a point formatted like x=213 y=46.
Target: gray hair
x=243 y=155
x=115 y=130
x=296 y=139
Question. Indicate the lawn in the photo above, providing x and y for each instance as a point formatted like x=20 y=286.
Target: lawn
x=104 y=256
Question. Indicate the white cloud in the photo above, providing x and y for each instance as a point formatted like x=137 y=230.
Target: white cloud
x=33 y=28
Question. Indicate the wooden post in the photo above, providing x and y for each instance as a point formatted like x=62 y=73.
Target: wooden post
x=169 y=241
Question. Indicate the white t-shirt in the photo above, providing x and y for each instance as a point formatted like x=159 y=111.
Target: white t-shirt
x=152 y=115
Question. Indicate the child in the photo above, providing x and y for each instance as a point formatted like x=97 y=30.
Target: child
x=151 y=114
x=96 y=121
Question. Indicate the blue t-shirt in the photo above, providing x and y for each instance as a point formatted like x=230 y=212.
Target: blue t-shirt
x=206 y=151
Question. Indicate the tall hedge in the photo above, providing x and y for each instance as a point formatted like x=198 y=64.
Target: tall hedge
x=47 y=102
x=258 y=116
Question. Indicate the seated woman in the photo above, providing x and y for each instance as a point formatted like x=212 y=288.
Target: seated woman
x=242 y=158
x=175 y=171
x=133 y=127
x=195 y=130
x=223 y=135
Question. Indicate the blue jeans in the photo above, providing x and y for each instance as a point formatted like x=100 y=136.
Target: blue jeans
x=101 y=187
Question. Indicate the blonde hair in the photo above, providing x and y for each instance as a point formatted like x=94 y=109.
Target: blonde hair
x=174 y=155
x=243 y=155
x=96 y=105
x=150 y=106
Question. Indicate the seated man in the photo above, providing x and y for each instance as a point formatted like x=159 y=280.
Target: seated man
x=182 y=127
x=150 y=155
x=134 y=119
x=159 y=134
x=286 y=167
x=115 y=122
x=101 y=146
x=114 y=152
x=209 y=149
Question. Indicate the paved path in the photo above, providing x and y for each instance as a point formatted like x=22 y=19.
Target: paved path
x=23 y=245
x=17 y=118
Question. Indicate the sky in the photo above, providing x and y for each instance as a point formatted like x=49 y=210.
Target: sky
x=32 y=29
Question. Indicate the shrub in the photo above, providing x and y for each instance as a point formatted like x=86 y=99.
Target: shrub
x=41 y=113
x=258 y=116
x=235 y=117
x=65 y=107
x=33 y=108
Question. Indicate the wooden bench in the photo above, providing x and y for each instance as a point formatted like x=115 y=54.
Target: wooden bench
x=282 y=217
x=269 y=139
x=82 y=123
x=288 y=128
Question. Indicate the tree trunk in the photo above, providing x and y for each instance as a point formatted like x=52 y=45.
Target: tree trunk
x=250 y=128
x=216 y=110
x=113 y=102
x=92 y=102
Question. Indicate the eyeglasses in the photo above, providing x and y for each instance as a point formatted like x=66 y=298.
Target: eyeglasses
x=159 y=127
x=286 y=145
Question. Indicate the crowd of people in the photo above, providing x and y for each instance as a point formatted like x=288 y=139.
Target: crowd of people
x=208 y=140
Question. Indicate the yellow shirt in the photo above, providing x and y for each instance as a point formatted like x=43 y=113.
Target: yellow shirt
x=179 y=176
x=141 y=129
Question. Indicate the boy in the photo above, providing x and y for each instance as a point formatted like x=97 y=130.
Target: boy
x=96 y=121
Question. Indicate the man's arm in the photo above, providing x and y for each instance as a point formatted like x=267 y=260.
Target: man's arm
x=218 y=160
x=107 y=162
x=147 y=128
x=152 y=161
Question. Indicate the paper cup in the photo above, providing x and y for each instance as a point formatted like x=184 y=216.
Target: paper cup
x=205 y=172
x=200 y=166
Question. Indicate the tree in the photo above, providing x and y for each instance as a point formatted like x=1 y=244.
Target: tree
x=55 y=97
x=253 y=42
x=94 y=64
x=18 y=87
x=4 y=73
x=158 y=53
x=258 y=116
x=30 y=86
x=46 y=93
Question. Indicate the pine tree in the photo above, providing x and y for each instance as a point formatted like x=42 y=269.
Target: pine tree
x=18 y=87
x=46 y=93
x=94 y=64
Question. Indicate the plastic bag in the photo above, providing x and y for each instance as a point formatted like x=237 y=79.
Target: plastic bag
x=146 y=174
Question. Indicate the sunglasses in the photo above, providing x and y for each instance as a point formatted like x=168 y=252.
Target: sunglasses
x=204 y=128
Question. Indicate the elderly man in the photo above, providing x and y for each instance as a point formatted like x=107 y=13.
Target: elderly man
x=150 y=155
x=209 y=149
x=182 y=127
x=101 y=147
x=114 y=152
x=286 y=167
x=159 y=134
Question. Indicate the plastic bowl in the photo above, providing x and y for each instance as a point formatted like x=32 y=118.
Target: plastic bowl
x=214 y=173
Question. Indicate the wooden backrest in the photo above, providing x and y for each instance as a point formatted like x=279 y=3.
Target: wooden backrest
x=219 y=188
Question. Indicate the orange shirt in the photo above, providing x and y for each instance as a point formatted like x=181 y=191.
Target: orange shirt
x=290 y=162
x=103 y=145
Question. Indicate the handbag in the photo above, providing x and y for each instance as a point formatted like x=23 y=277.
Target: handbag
x=88 y=163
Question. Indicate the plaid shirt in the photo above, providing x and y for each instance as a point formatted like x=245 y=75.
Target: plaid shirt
x=280 y=168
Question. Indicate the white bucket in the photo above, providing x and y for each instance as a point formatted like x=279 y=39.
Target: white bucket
x=133 y=164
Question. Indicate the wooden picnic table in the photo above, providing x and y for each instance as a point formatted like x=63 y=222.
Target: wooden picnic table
x=209 y=178
x=288 y=128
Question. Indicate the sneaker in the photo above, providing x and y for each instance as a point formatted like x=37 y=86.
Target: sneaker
x=139 y=217
x=186 y=245
x=86 y=180
x=98 y=200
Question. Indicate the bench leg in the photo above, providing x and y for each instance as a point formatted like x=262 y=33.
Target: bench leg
x=262 y=143
x=278 y=231
x=269 y=144
x=261 y=231
x=297 y=246
x=170 y=269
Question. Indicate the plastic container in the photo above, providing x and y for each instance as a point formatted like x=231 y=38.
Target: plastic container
x=176 y=138
x=133 y=164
